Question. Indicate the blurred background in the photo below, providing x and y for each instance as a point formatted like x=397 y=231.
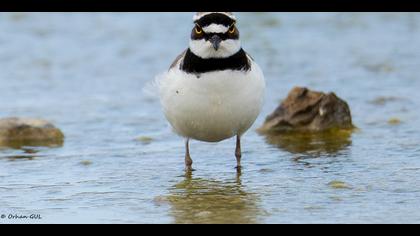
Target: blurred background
x=120 y=162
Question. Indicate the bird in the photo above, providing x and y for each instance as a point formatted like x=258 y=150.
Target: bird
x=214 y=90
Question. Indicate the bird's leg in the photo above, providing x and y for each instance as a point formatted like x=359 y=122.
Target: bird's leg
x=188 y=160
x=238 y=153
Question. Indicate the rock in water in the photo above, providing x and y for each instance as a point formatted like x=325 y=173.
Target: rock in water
x=18 y=132
x=305 y=110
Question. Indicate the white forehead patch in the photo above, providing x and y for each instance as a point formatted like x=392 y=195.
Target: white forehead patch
x=198 y=15
x=215 y=28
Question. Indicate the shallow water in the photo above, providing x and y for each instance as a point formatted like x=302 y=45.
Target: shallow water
x=121 y=163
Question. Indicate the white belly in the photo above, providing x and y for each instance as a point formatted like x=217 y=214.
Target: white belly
x=213 y=107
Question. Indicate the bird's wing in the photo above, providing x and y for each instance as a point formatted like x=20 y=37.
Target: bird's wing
x=177 y=59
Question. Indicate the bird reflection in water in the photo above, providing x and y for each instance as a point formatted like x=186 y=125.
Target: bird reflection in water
x=197 y=200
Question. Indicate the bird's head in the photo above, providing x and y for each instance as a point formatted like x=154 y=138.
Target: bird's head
x=214 y=35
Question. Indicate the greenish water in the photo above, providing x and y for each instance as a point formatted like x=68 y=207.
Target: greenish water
x=120 y=162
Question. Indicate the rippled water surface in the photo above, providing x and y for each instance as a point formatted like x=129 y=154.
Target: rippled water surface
x=120 y=162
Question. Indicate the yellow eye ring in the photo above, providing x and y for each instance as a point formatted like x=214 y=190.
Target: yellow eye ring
x=198 y=30
x=232 y=29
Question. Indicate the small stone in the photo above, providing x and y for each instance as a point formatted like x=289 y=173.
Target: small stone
x=145 y=139
x=394 y=121
x=86 y=162
x=19 y=132
x=338 y=185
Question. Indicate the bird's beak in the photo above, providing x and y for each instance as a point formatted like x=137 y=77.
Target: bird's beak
x=215 y=41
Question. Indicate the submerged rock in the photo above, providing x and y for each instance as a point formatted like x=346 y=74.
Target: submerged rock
x=19 y=132
x=338 y=185
x=394 y=121
x=145 y=139
x=306 y=110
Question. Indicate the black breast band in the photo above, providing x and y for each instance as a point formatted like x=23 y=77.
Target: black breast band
x=195 y=64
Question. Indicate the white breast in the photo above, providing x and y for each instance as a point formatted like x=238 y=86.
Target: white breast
x=215 y=106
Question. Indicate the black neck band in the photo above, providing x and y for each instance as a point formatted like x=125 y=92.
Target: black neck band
x=195 y=64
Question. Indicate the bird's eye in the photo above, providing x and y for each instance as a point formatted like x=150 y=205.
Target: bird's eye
x=198 y=30
x=232 y=29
